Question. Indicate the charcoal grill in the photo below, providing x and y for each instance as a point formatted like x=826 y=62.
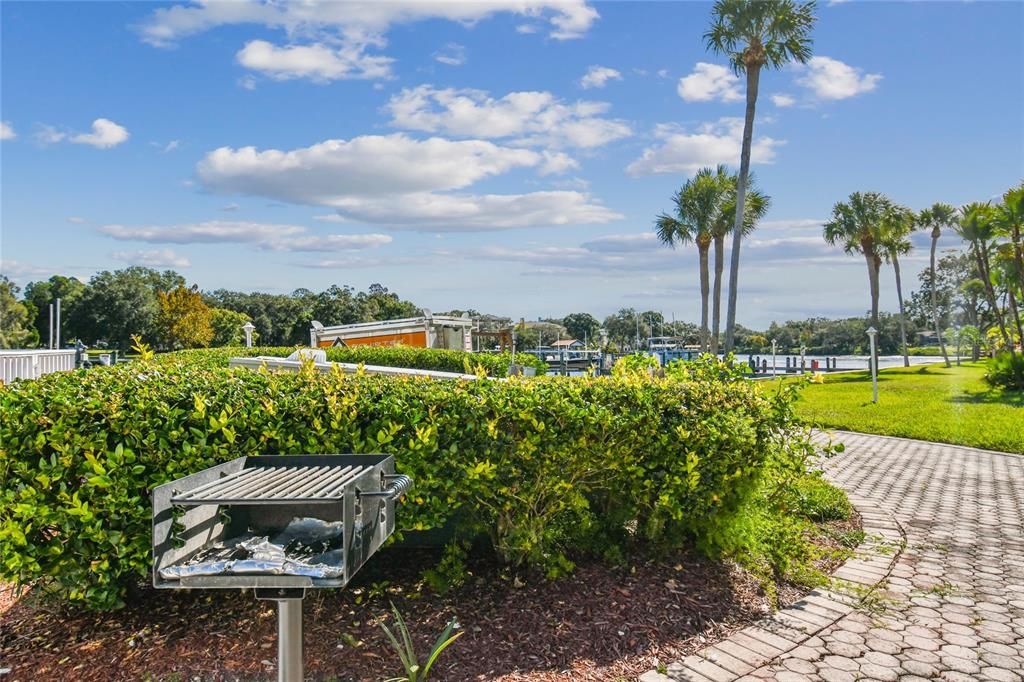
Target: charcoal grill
x=279 y=525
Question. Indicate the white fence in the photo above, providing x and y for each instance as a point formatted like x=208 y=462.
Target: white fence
x=32 y=364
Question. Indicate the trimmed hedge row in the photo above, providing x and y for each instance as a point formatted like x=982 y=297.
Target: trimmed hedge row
x=540 y=465
x=493 y=364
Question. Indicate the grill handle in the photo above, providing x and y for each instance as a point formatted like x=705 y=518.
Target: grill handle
x=396 y=486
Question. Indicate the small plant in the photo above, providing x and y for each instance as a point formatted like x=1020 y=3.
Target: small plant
x=414 y=671
x=142 y=349
x=1007 y=371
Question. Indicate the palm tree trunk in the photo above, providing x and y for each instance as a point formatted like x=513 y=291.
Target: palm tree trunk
x=873 y=267
x=703 y=250
x=753 y=79
x=903 y=319
x=935 y=304
x=1016 y=315
x=716 y=315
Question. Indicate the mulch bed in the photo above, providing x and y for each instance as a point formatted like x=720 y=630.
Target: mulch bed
x=600 y=623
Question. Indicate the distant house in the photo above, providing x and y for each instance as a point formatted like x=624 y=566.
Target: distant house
x=568 y=344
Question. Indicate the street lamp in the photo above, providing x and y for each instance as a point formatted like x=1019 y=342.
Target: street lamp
x=774 y=347
x=872 y=333
x=803 y=359
x=248 y=328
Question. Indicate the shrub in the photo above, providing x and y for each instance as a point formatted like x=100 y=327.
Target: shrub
x=493 y=364
x=1006 y=371
x=540 y=466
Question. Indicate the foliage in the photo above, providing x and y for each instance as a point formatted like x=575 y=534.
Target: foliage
x=15 y=331
x=183 y=320
x=821 y=501
x=582 y=326
x=539 y=466
x=117 y=304
x=934 y=403
x=227 y=327
x=635 y=363
x=1006 y=371
x=39 y=296
x=438 y=359
x=413 y=669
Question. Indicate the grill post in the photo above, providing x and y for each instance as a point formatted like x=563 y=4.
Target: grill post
x=289 y=640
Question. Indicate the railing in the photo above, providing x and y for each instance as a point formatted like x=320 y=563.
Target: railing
x=32 y=364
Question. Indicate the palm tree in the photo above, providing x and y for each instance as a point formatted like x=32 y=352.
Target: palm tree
x=857 y=227
x=698 y=204
x=1010 y=219
x=897 y=224
x=755 y=34
x=756 y=206
x=978 y=227
x=938 y=216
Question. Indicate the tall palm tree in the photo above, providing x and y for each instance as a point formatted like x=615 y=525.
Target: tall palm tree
x=1010 y=219
x=940 y=215
x=978 y=227
x=897 y=224
x=755 y=34
x=697 y=204
x=856 y=225
x=756 y=206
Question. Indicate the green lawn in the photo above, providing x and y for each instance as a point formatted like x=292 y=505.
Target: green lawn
x=933 y=403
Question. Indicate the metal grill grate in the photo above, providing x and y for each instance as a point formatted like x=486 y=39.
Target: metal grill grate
x=275 y=485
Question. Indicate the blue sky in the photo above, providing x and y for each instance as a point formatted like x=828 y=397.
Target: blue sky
x=508 y=156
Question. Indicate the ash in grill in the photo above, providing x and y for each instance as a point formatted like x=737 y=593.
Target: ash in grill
x=279 y=524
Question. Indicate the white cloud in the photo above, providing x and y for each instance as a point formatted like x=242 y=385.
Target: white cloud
x=318 y=62
x=527 y=28
x=679 y=151
x=354 y=262
x=20 y=271
x=273 y=237
x=783 y=100
x=330 y=218
x=47 y=134
x=230 y=207
x=330 y=40
x=710 y=82
x=453 y=54
x=152 y=258
x=526 y=117
x=105 y=134
x=598 y=77
x=247 y=82
x=830 y=78
x=77 y=220
x=663 y=73
x=401 y=182
x=7 y=131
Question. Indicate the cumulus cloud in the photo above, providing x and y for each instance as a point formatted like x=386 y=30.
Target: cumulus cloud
x=830 y=78
x=401 y=182
x=7 y=131
x=331 y=40
x=77 y=220
x=682 y=151
x=268 y=236
x=105 y=134
x=524 y=117
x=20 y=271
x=453 y=54
x=598 y=77
x=710 y=82
x=783 y=100
x=152 y=258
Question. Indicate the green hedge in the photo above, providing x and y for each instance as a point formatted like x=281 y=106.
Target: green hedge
x=493 y=364
x=540 y=465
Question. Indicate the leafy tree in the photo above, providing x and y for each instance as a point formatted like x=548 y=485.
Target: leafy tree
x=39 y=296
x=937 y=217
x=978 y=226
x=857 y=227
x=533 y=335
x=15 y=331
x=116 y=305
x=755 y=34
x=380 y=304
x=184 y=320
x=626 y=326
x=897 y=224
x=756 y=207
x=698 y=204
x=227 y=327
x=582 y=326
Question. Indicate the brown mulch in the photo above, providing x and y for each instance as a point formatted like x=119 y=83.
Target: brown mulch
x=600 y=623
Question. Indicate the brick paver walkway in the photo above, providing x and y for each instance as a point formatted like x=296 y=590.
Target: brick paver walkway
x=951 y=605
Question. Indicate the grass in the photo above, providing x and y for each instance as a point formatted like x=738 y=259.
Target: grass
x=932 y=403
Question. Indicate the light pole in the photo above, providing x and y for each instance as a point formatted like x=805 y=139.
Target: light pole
x=774 y=347
x=803 y=358
x=248 y=328
x=872 y=333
